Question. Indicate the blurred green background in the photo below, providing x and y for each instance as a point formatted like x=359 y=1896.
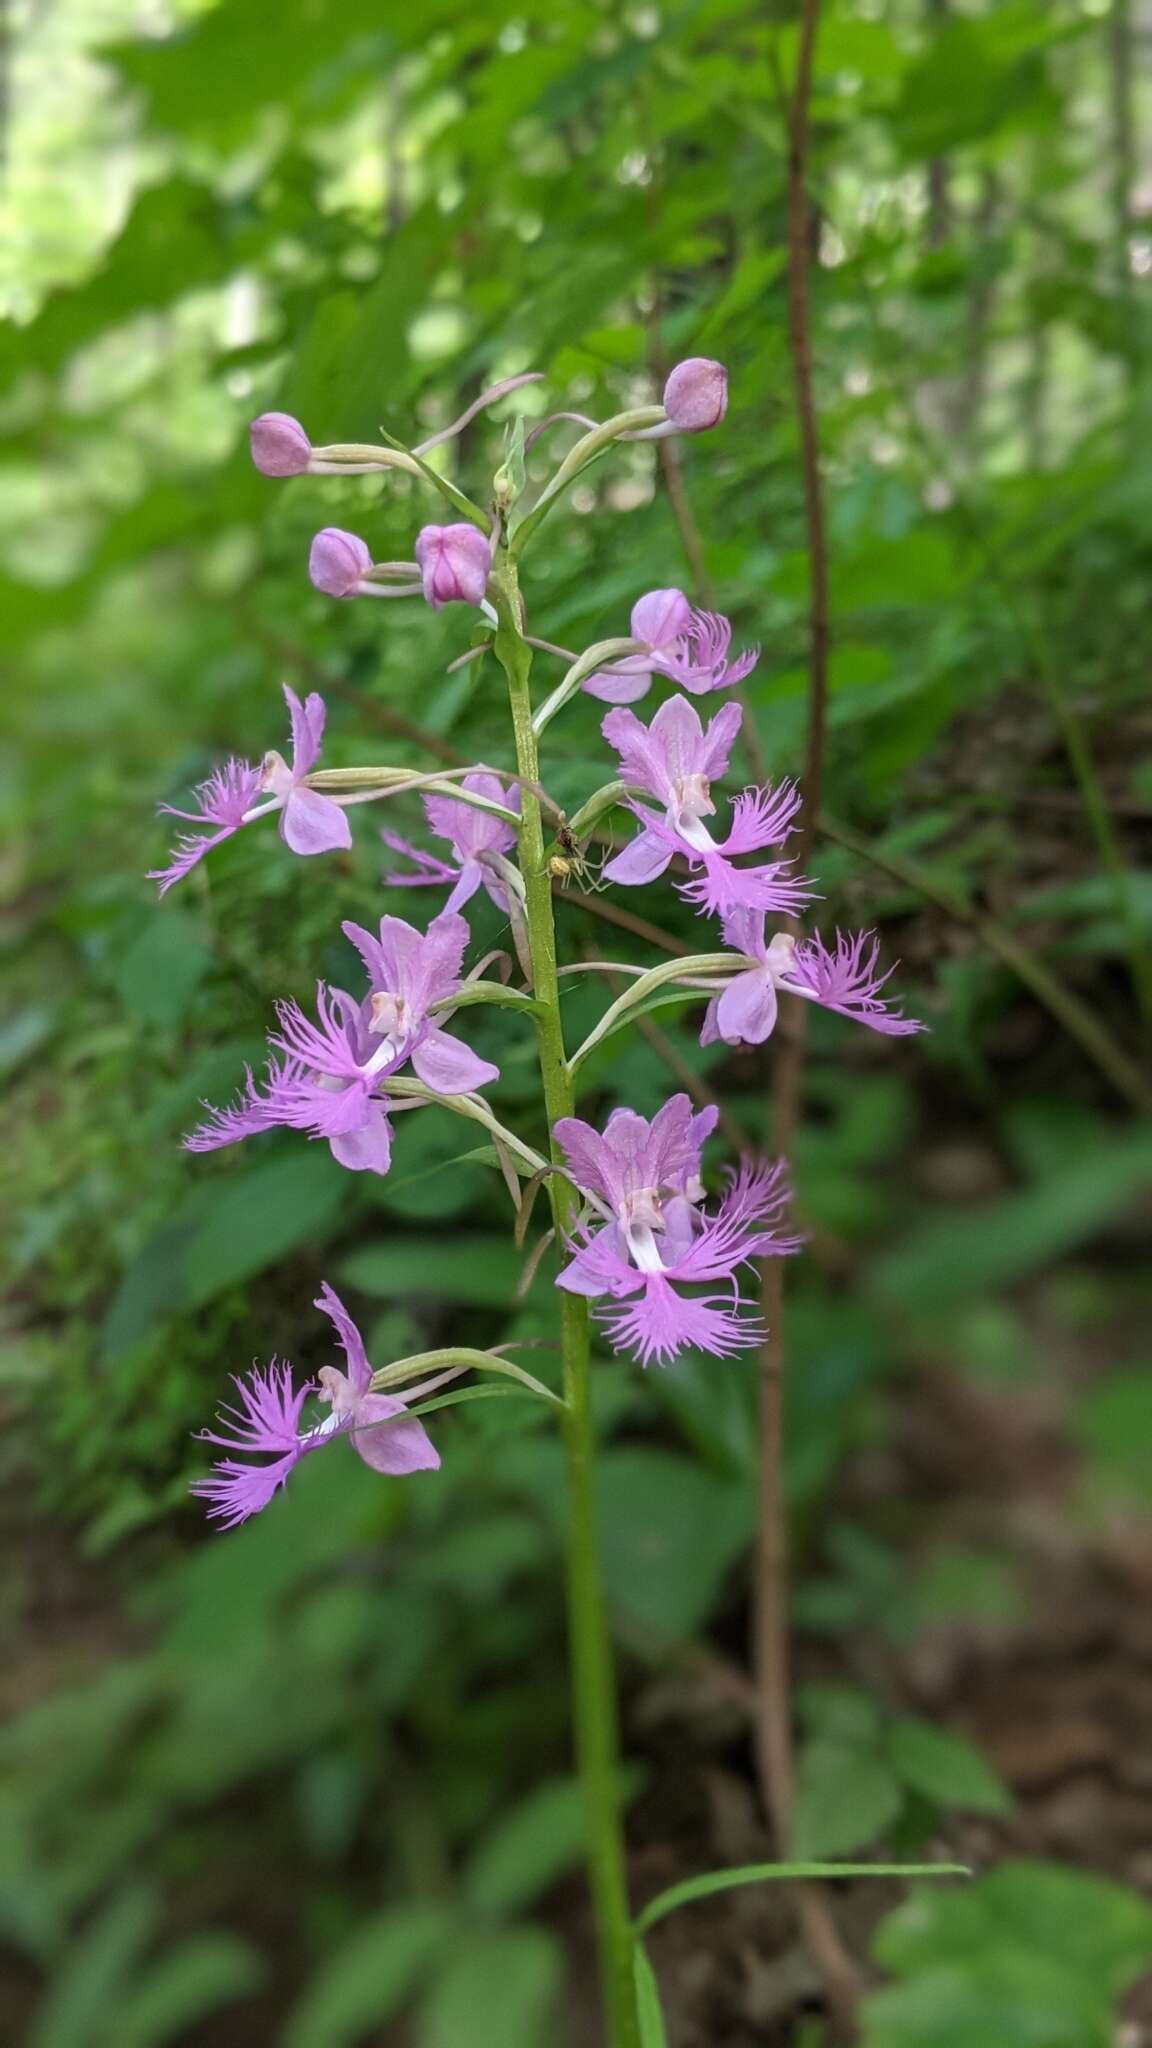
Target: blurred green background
x=309 y=1783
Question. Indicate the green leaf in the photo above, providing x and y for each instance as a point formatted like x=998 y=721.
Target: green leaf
x=95 y=1973
x=671 y=1531
x=188 y=1982
x=222 y=1234
x=713 y=1881
x=845 y=1796
x=162 y=969
x=527 y=1849
x=260 y=1215
x=368 y=1977
x=653 y=2033
x=493 y=1991
x=975 y=1250
x=944 y=1768
x=482 y=1271
x=1031 y=1956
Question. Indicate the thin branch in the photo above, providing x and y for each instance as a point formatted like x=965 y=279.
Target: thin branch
x=773 y=1722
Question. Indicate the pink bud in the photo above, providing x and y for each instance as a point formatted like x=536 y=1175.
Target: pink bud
x=280 y=447
x=696 y=395
x=454 y=562
x=337 y=561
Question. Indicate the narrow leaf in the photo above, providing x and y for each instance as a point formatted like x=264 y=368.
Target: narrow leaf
x=760 y=1873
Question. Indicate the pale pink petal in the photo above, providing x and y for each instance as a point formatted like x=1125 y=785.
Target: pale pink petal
x=642 y=861
x=351 y=1342
x=449 y=1067
x=368 y=1149
x=618 y=686
x=311 y=823
x=661 y=617
x=307 y=730
x=717 y=744
x=395 y=1447
x=746 y=1009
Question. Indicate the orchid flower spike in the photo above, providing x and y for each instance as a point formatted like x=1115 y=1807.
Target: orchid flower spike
x=676 y=760
x=847 y=981
x=330 y=1078
x=477 y=839
x=309 y=823
x=689 y=647
x=643 y=1179
x=266 y=1424
x=455 y=563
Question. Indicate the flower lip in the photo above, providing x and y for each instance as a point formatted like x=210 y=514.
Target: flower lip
x=696 y=394
x=279 y=445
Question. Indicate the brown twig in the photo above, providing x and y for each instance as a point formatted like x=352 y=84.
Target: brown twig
x=773 y=1722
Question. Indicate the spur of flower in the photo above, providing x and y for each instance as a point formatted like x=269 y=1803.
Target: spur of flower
x=846 y=979
x=675 y=759
x=240 y=792
x=478 y=840
x=330 y=1078
x=689 y=647
x=654 y=1241
x=265 y=1424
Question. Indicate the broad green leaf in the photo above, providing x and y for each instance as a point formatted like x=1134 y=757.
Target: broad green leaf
x=975 y=1250
x=845 y=1797
x=523 y=1853
x=95 y=1973
x=493 y=1991
x=260 y=1215
x=367 y=1977
x=188 y=1982
x=671 y=1531
x=482 y=1271
x=944 y=1768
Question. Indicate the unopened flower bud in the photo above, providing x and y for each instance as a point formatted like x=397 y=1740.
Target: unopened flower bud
x=696 y=395
x=337 y=561
x=455 y=562
x=280 y=447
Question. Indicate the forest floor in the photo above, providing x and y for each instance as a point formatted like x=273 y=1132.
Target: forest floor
x=1058 y=1695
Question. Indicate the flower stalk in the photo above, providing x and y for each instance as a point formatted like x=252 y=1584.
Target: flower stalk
x=593 y=1683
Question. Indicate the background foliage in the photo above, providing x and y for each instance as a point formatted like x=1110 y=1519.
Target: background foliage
x=308 y=1782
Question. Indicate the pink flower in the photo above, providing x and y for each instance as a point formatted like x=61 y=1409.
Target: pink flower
x=338 y=562
x=280 y=447
x=309 y=823
x=675 y=760
x=689 y=647
x=267 y=1424
x=455 y=563
x=644 y=1180
x=696 y=395
x=477 y=839
x=744 y=1013
x=330 y=1078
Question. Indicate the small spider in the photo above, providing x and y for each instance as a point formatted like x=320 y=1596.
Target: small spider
x=569 y=863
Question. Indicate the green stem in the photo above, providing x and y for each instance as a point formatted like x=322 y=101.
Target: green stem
x=592 y=1676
